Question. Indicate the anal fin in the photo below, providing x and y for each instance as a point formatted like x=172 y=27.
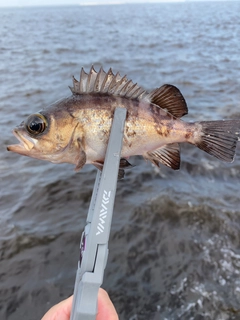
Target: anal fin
x=169 y=155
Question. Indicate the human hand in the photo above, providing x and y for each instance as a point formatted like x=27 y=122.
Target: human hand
x=62 y=310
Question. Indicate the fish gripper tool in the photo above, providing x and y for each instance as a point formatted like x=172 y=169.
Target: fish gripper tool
x=95 y=237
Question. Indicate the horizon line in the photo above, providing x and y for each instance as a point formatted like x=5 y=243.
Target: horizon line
x=106 y=2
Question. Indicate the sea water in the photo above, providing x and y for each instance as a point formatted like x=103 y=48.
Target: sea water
x=174 y=244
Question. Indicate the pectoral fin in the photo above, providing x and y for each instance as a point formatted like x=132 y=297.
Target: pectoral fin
x=81 y=160
x=169 y=155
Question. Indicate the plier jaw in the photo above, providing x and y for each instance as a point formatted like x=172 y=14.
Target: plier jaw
x=95 y=237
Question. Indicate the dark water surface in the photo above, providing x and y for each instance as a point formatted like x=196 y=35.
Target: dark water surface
x=175 y=240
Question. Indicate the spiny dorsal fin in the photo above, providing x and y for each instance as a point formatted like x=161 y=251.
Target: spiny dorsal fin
x=166 y=97
x=168 y=155
x=107 y=82
x=170 y=98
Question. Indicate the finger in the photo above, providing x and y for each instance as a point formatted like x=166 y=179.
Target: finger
x=60 y=311
x=106 y=309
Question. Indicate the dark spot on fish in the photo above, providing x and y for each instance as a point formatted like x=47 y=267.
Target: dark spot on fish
x=103 y=135
x=188 y=134
x=132 y=107
x=129 y=132
x=161 y=118
x=156 y=112
x=71 y=115
x=103 y=100
x=126 y=141
x=163 y=128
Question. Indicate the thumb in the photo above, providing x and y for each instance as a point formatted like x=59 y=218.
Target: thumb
x=106 y=309
x=60 y=311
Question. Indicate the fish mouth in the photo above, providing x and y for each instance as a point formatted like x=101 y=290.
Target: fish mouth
x=26 y=143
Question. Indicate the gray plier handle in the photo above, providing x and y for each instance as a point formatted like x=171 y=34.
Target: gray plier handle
x=95 y=237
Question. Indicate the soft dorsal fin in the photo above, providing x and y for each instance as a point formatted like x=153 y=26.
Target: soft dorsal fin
x=170 y=98
x=107 y=82
x=169 y=155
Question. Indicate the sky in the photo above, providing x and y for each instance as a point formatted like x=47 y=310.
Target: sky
x=11 y=3
x=69 y=2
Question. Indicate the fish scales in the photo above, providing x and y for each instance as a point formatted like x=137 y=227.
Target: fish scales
x=76 y=129
x=142 y=123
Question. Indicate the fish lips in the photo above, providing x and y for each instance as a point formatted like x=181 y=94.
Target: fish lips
x=26 y=143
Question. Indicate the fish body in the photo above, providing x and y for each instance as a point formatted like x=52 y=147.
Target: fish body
x=76 y=129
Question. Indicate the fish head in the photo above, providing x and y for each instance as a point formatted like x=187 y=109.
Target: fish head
x=50 y=135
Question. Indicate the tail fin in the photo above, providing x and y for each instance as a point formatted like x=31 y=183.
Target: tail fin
x=219 y=138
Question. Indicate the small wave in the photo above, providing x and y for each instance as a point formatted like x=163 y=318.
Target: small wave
x=21 y=242
x=34 y=92
x=186 y=250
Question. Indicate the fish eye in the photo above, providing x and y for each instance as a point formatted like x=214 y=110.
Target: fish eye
x=36 y=124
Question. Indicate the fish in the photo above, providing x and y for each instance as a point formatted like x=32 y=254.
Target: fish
x=76 y=129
